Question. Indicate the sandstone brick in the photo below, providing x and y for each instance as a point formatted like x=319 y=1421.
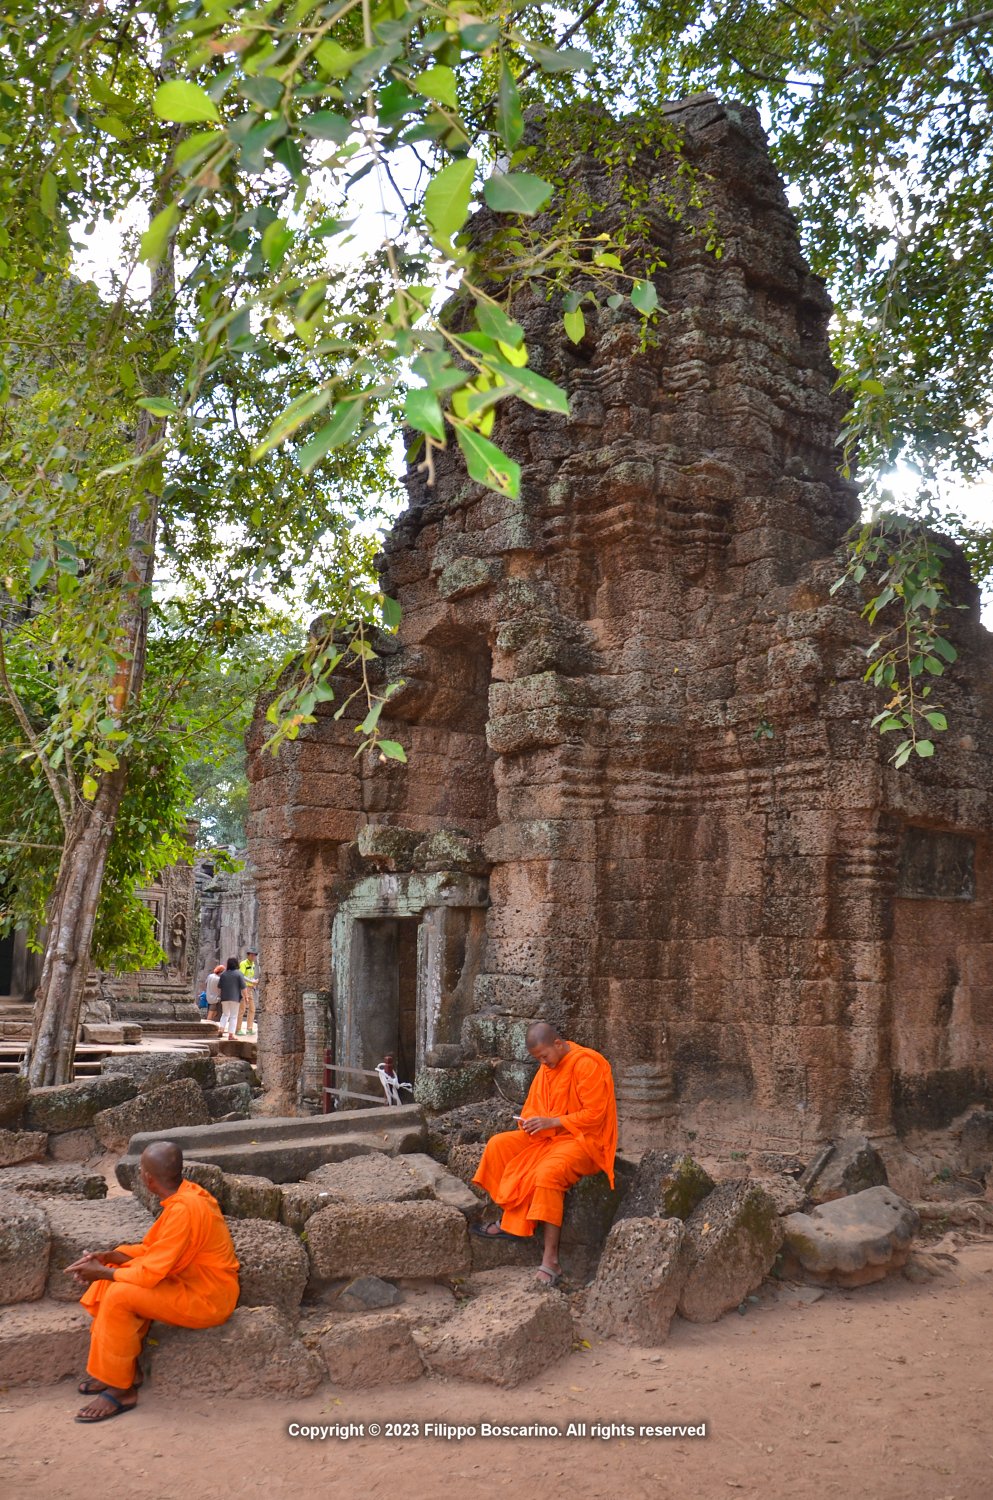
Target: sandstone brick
x=25 y=1243
x=42 y=1342
x=74 y=1145
x=508 y=1332
x=273 y=1265
x=376 y=1348
x=374 y=1178
x=150 y=1070
x=388 y=1239
x=254 y=1354
x=639 y=1280
x=13 y=1097
x=18 y=1146
x=732 y=1240
x=77 y=1225
x=42 y=1179
x=245 y=1197
x=181 y=1102
x=73 y=1106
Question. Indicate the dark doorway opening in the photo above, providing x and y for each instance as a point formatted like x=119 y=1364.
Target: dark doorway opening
x=384 y=993
x=7 y=965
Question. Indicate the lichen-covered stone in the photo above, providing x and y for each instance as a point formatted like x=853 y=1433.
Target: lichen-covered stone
x=853 y=1166
x=229 y=1070
x=13 y=1097
x=388 y=1239
x=590 y=1206
x=18 y=1146
x=666 y=1185
x=72 y=1106
x=638 y=1283
x=245 y=1197
x=78 y=1225
x=150 y=1070
x=232 y=1101
x=853 y=1240
x=180 y=1102
x=732 y=1240
x=25 y=1241
x=446 y=1088
x=273 y=1265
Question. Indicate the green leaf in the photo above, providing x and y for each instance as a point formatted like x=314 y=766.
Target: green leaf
x=446 y=201
x=276 y=240
x=924 y=748
x=605 y=258
x=538 y=392
x=296 y=414
x=422 y=410
x=114 y=126
x=159 y=406
x=89 y=788
x=478 y=35
x=156 y=236
x=510 y=116
x=344 y=421
x=574 y=324
x=516 y=193
x=944 y=648
x=325 y=125
x=488 y=464
x=560 y=59
x=495 y=323
x=934 y=666
x=437 y=83
x=392 y=750
x=873 y=387
x=49 y=195
x=644 y=297
x=392 y=614
x=197 y=144
x=902 y=753
x=37 y=571
x=936 y=720
x=184 y=102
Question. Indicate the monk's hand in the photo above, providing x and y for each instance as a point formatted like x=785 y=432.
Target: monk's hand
x=540 y=1122
x=89 y=1270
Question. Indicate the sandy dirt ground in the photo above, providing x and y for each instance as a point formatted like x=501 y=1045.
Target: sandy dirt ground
x=879 y=1394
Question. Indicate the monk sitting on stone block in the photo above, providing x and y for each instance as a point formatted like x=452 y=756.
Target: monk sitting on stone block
x=183 y=1272
x=567 y=1130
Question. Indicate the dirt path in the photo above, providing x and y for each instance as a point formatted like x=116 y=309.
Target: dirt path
x=880 y=1394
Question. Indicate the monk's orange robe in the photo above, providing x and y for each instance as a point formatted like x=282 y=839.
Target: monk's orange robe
x=184 y=1271
x=528 y=1175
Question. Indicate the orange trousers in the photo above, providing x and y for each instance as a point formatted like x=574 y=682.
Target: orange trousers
x=528 y=1176
x=121 y=1314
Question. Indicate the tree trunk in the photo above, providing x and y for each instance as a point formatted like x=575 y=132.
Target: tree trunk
x=73 y=909
x=71 y=919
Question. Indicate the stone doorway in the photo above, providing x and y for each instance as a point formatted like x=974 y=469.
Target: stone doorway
x=384 y=994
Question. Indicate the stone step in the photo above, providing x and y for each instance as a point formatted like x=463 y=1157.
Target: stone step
x=41 y=1342
x=286 y=1149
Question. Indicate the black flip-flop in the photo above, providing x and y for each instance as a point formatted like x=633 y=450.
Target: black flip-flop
x=481 y=1231
x=119 y=1409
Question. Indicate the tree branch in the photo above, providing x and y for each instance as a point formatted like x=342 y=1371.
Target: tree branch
x=22 y=718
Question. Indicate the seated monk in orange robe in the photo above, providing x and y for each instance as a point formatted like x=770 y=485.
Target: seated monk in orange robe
x=568 y=1130
x=184 y=1272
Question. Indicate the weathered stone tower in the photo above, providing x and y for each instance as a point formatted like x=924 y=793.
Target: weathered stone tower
x=643 y=797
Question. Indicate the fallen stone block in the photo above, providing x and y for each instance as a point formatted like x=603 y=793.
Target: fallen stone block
x=463 y=1163
x=25 y=1242
x=255 y=1353
x=666 y=1185
x=250 y=1197
x=853 y=1165
x=150 y=1070
x=18 y=1146
x=71 y=1106
x=273 y=1264
x=442 y=1184
x=301 y=1200
x=639 y=1280
x=787 y=1194
x=77 y=1225
x=42 y=1342
x=229 y=1070
x=367 y=1294
x=74 y=1145
x=180 y=1103
x=495 y=1254
x=590 y=1207
x=388 y=1239
x=732 y=1240
x=112 y=1033
x=45 y=1179
x=231 y=1102
x=447 y=1088
x=377 y=1349
x=14 y=1092
x=374 y=1178
x=207 y=1176
x=851 y=1241
x=509 y=1332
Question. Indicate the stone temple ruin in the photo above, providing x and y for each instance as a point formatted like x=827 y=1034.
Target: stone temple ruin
x=643 y=799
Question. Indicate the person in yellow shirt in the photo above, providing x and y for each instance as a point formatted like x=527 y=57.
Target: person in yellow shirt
x=249 y=967
x=183 y=1272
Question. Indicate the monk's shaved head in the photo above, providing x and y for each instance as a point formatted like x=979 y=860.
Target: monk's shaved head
x=542 y=1034
x=162 y=1165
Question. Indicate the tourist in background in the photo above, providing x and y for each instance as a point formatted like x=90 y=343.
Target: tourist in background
x=213 y=993
x=249 y=967
x=233 y=985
